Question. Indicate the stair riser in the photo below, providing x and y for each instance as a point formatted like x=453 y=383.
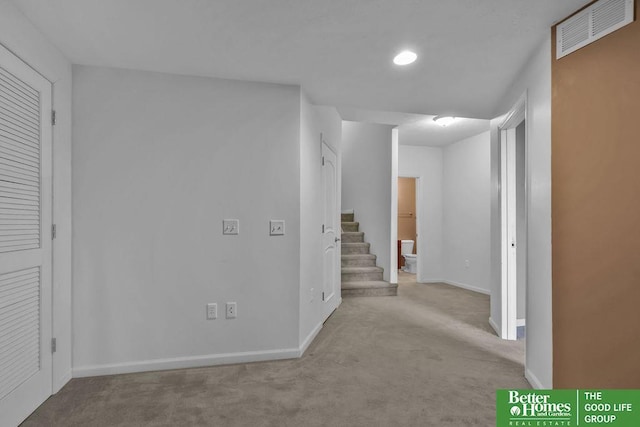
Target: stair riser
x=362 y=277
x=353 y=238
x=384 y=292
x=350 y=226
x=367 y=262
x=347 y=217
x=362 y=248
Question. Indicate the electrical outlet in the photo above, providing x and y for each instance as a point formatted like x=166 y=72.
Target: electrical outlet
x=276 y=227
x=212 y=311
x=466 y=263
x=230 y=226
x=232 y=310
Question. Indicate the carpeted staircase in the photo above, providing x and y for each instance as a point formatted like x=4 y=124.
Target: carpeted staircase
x=360 y=275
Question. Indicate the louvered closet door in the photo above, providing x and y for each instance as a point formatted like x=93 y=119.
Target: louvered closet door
x=25 y=240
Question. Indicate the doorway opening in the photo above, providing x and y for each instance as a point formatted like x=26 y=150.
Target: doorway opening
x=513 y=200
x=407 y=243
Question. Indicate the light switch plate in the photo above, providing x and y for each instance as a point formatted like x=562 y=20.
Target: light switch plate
x=230 y=226
x=276 y=227
x=212 y=311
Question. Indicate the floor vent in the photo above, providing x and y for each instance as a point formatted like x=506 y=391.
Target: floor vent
x=591 y=24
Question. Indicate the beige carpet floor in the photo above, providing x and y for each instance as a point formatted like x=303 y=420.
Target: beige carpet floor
x=424 y=358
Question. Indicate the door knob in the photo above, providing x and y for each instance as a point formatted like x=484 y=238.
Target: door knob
x=337 y=240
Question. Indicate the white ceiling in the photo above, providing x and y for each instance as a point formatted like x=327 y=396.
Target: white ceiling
x=340 y=51
x=419 y=129
x=429 y=133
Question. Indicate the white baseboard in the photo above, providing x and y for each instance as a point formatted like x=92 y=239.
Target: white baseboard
x=61 y=382
x=307 y=342
x=185 y=362
x=494 y=325
x=467 y=287
x=195 y=361
x=521 y=322
x=533 y=380
x=431 y=281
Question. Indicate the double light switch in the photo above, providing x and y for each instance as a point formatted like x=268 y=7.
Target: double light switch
x=230 y=226
x=276 y=227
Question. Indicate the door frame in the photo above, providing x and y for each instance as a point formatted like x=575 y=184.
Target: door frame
x=508 y=255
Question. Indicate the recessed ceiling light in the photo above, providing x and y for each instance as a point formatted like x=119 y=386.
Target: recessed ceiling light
x=444 y=120
x=405 y=57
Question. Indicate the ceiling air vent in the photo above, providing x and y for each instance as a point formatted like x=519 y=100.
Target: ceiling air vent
x=591 y=24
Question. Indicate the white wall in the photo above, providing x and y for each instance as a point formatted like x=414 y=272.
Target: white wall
x=393 y=236
x=467 y=213
x=426 y=164
x=366 y=184
x=19 y=36
x=314 y=120
x=454 y=217
x=535 y=79
x=159 y=161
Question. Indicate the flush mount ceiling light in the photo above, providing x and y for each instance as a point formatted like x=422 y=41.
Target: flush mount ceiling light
x=405 y=57
x=444 y=120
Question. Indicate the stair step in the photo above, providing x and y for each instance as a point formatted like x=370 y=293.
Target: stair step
x=347 y=217
x=375 y=288
x=355 y=248
x=359 y=260
x=362 y=274
x=350 y=226
x=353 y=237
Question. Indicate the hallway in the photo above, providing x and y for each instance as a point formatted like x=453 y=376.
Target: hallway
x=426 y=357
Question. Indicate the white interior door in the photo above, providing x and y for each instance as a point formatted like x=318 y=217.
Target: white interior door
x=25 y=239
x=512 y=244
x=331 y=230
x=509 y=233
x=509 y=222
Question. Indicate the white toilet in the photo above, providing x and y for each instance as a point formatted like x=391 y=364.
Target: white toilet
x=410 y=259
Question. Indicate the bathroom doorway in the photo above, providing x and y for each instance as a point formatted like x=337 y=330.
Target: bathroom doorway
x=407 y=225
